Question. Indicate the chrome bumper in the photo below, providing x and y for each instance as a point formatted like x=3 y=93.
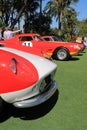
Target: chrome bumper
x=38 y=99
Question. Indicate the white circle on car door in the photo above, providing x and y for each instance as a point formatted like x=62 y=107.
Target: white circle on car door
x=27 y=43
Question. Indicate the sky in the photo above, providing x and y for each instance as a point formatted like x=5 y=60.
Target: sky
x=81 y=7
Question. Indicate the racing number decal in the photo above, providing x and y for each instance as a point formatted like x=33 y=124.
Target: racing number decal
x=27 y=43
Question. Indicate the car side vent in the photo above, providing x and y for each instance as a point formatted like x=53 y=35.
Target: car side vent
x=2 y=45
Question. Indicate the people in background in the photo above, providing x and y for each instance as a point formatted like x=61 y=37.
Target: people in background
x=85 y=41
x=1 y=34
x=8 y=33
x=79 y=39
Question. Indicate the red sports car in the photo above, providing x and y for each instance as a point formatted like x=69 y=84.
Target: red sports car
x=26 y=80
x=81 y=46
x=58 y=50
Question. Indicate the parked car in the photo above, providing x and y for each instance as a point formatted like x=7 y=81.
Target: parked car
x=81 y=46
x=27 y=80
x=57 y=50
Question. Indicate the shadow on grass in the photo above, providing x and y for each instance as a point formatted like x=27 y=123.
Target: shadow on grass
x=77 y=57
x=74 y=58
x=30 y=113
x=80 y=54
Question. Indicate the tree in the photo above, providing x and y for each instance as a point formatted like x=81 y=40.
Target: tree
x=12 y=10
x=36 y=21
x=55 y=8
x=41 y=25
x=69 y=23
x=20 y=11
x=82 y=27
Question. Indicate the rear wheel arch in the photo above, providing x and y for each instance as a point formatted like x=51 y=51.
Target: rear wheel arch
x=62 y=50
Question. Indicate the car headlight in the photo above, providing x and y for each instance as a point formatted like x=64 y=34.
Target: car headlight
x=13 y=65
x=46 y=84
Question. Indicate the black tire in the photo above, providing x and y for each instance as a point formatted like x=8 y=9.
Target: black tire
x=61 y=54
x=1 y=105
x=5 y=111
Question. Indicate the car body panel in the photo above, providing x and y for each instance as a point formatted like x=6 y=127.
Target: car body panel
x=15 y=81
x=28 y=82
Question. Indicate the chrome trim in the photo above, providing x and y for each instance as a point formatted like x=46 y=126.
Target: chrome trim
x=38 y=99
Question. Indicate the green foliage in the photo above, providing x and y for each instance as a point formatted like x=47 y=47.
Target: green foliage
x=82 y=27
x=57 y=9
x=43 y=24
x=38 y=24
x=13 y=10
x=69 y=23
x=2 y=25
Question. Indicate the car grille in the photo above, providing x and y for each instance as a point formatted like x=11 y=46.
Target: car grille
x=45 y=84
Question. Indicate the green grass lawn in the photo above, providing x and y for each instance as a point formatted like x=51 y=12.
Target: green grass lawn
x=70 y=111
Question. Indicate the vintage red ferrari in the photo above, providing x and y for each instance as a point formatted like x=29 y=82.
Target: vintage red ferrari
x=27 y=80
x=80 y=46
x=57 y=50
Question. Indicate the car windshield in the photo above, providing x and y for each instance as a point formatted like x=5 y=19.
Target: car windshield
x=57 y=38
x=38 y=38
x=25 y=38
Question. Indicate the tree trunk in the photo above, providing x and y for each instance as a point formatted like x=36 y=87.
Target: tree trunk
x=60 y=23
x=20 y=12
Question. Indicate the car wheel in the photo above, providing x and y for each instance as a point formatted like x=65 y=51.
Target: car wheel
x=61 y=54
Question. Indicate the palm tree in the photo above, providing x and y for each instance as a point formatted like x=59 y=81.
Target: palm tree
x=40 y=6
x=56 y=8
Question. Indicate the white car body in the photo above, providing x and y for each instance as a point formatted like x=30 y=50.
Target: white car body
x=34 y=94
